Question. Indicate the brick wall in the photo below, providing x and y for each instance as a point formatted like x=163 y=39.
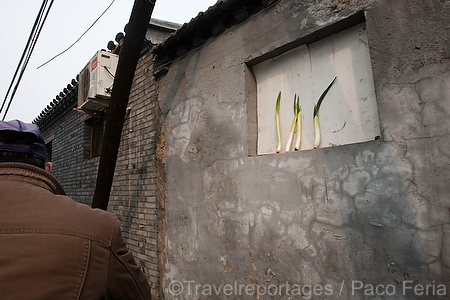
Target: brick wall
x=133 y=194
x=76 y=173
x=134 y=191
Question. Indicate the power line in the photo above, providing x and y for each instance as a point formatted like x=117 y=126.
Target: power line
x=39 y=23
x=32 y=39
x=78 y=38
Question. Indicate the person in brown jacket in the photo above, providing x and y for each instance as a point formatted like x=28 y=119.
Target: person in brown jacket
x=51 y=246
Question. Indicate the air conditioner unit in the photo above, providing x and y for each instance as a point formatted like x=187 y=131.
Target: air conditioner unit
x=96 y=80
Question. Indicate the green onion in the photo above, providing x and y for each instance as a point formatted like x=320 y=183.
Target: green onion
x=299 y=125
x=316 y=115
x=316 y=132
x=277 y=115
x=296 y=112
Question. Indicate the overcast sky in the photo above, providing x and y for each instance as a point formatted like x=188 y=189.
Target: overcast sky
x=66 y=22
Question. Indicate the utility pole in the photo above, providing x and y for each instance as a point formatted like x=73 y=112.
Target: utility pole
x=126 y=67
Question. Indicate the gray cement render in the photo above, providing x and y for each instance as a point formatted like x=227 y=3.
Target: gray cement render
x=374 y=213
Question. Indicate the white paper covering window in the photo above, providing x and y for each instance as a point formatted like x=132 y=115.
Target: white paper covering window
x=349 y=111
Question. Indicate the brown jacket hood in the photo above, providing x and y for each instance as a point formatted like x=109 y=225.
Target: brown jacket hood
x=31 y=174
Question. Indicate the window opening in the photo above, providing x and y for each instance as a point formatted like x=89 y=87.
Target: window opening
x=348 y=113
x=97 y=128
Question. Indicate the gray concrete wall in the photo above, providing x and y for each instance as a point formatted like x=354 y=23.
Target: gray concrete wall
x=347 y=219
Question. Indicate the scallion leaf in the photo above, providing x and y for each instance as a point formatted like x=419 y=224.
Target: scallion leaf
x=316 y=115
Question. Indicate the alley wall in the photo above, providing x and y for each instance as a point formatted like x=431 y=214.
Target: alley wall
x=342 y=218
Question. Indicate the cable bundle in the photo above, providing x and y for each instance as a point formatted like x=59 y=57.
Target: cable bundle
x=37 y=27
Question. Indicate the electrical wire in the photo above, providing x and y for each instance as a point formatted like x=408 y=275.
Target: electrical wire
x=30 y=47
x=78 y=38
x=32 y=39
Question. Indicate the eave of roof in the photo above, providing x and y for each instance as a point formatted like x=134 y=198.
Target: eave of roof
x=161 y=24
x=66 y=100
x=219 y=17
